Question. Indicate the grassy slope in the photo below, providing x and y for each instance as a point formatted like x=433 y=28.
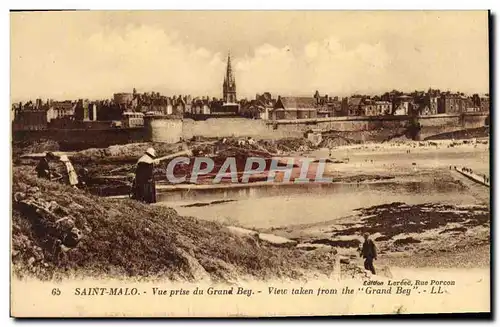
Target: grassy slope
x=126 y=238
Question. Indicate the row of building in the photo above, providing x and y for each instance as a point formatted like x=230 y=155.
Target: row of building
x=124 y=110
x=392 y=103
x=40 y=115
x=130 y=109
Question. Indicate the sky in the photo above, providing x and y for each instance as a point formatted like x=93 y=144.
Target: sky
x=93 y=54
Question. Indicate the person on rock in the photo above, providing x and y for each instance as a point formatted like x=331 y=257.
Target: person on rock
x=61 y=170
x=144 y=187
x=43 y=168
x=369 y=253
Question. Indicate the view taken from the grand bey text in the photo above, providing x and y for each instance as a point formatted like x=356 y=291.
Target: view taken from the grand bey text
x=226 y=146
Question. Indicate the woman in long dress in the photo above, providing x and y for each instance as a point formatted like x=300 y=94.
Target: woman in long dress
x=72 y=177
x=144 y=188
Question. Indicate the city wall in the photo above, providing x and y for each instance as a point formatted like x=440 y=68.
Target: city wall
x=165 y=129
x=344 y=124
x=368 y=128
x=262 y=129
x=443 y=123
x=78 y=139
x=234 y=127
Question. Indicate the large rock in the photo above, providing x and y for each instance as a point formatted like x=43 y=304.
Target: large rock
x=344 y=260
x=276 y=240
x=311 y=247
x=197 y=271
x=242 y=231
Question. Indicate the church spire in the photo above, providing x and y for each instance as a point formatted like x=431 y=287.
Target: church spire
x=229 y=85
x=229 y=70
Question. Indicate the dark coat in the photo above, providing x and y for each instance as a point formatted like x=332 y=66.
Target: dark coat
x=369 y=250
x=54 y=171
x=43 y=168
x=144 y=188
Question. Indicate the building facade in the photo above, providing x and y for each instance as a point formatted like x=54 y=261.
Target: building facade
x=402 y=105
x=352 y=106
x=123 y=98
x=482 y=103
x=63 y=108
x=294 y=108
x=335 y=108
x=31 y=119
x=449 y=104
x=132 y=119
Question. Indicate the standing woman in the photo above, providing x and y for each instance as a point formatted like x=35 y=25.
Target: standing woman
x=144 y=188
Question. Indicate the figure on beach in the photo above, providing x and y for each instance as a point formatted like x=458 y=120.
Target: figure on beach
x=369 y=253
x=144 y=187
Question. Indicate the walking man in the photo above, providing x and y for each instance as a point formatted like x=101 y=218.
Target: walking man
x=369 y=253
x=144 y=188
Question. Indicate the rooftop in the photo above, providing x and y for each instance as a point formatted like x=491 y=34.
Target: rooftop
x=298 y=102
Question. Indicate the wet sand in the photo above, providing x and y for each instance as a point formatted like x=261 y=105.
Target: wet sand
x=421 y=180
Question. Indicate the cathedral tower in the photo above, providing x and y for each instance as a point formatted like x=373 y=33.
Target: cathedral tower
x=229 y=85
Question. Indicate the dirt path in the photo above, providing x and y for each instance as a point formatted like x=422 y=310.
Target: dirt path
x=470 y=257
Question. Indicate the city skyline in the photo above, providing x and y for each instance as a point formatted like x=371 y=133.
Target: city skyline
x=95 y=54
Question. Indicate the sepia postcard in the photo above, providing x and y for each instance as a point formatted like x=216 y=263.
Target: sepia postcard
x=250 y=163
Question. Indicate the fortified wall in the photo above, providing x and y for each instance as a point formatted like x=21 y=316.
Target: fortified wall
x=169 y=130
x=445 y=123
x=79 y=139
x=237 y=127
x=363 y=128
x=350 y=125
